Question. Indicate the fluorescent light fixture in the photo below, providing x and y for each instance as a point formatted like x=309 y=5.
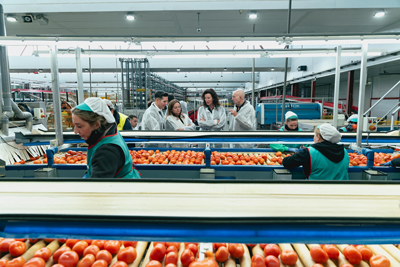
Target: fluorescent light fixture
x=321 y=54
x=379 y=13
x=255 y=55
x=272 y=69
x=253 y=15
x=11 y=18
x=178 y=69
x=130 y=16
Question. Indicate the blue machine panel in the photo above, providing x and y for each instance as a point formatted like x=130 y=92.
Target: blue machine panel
x=266 y=113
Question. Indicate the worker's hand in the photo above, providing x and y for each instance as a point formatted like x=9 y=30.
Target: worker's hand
x=202 y=119
x=388 y=164
x=233 y=112
x=180 y=129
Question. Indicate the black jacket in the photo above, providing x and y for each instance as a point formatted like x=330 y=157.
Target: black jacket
x=396 y=162
x=333 y=152
x=108 y=158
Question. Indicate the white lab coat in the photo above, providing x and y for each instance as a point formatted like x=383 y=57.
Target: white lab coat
x=245 y=119
x=153 y=119
x=174 y=123
x=184 y=107
x=210 y=118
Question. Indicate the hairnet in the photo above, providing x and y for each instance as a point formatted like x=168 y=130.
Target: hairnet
x=329 y=133
x=290 y=115
x=353 y=118
x=109 y=103
x=98 y=106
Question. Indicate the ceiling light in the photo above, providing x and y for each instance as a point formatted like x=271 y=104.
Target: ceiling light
x=272 y=69
x=224 y=69
x=130 y=16
x=178 y=69
x=379 y=13
x=253 y=15
x=11 y=18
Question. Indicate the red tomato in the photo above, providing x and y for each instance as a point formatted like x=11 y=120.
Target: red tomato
x=57 y=265
x=156 y=243
x=236 y=250
x=71 y=242
x=80 y=247
x=379 y=261
x=193 y=248
x=257 y=261
x=58 y=253
x=87 y=261
x=35 y=262
x=5 y=244
x=345 y=265
x=17 y=262
x=92 y=249
x=272 y=261
x=320 y=265
x=171 y=257
x=33 y=241
x=262 y=246
x=69 y=259
x=62 y=240
x=48 y=240
x=174 y=244
x=153 y=264
x=187 y=257
x=289 y=257
x=170 y=265
x=332 y=251
x=272 y=249
x=99 y=243
x=100 y=263
x=319 y=255
x=3 y=262
x=104 y=255
x=44 y=253
x=127 y=255
x=366 y=253
x=112 y=246
x=216 y=246
x=352 y=255
x=130 y=243
x=171 y=249
x=119 y=264
x=158 y=252
x=17 y=248
x=251 y=245
x=204 y=263
x=222 y=254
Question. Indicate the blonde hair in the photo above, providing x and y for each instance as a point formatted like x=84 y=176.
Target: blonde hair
x=318 y=132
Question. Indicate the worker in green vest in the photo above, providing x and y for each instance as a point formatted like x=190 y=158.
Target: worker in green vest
x=291 y=125
x=325 y=159
x=123 y=122
x=108 y=155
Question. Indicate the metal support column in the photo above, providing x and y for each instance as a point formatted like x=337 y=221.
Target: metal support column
x=79 y=75
x=313 y=86
x=337 y=86
x=56 y=95
x=122 y=85
x=361 y=95
x=350 y=85
x=253 y=80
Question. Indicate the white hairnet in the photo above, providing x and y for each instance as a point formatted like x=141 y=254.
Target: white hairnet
x=97 y=105
x=353 y=118
x=329 y=133
x=109 y=103
x=290 y=115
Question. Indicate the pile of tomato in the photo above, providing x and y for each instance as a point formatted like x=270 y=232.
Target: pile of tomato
x=380 y=158
x=247 y=158
x=71 y=157
x=80 y=253
x=167 y=157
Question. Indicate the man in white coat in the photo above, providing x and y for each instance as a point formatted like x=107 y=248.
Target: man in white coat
x=154 y=119
x=243 y=116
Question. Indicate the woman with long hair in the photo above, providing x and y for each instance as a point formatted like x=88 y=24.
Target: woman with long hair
x=108 y=155
x=176 y=120
x=211 y=115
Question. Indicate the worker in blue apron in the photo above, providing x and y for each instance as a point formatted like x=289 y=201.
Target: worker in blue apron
x=291 y=125
x=108 y=155
x=352 y=124
x=325 y=159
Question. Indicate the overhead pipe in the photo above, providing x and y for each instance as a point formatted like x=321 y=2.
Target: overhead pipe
x=22 y=115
